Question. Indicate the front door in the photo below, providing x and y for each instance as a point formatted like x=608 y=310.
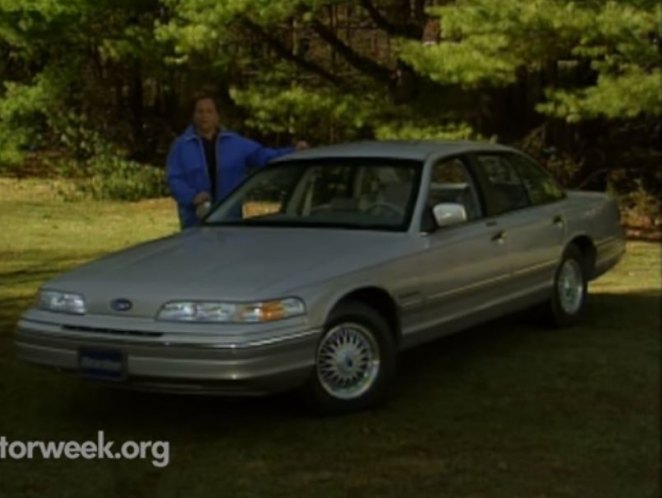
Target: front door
x=464 y=266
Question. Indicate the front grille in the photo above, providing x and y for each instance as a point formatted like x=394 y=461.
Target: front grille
x=100 y=330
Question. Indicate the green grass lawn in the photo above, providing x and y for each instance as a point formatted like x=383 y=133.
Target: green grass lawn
x=507 y=409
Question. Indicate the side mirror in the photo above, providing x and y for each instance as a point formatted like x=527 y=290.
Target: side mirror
x=448 y=213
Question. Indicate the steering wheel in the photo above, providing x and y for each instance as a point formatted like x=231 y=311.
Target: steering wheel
x=378 y=208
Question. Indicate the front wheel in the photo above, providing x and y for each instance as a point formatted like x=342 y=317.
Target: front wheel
x=568 y=302
x=354 y=362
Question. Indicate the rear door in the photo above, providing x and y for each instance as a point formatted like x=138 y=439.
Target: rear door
x=528 y=205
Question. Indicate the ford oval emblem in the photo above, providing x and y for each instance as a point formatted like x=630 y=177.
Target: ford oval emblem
x=121 y=304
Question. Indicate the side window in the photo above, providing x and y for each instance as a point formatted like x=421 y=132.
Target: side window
x=539 y=185
x=451 y=182
x=502 y=185
x=333 y=182
x=268 y=197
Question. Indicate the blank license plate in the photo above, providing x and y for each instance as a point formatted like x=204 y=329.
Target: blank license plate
x=106 y=364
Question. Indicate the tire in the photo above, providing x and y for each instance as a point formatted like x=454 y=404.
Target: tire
x=568 y=303
x=354 y=362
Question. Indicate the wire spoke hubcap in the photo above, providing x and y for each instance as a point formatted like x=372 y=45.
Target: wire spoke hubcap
x=347 y=361
x=570 y=286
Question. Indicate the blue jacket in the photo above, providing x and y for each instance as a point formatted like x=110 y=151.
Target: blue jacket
x=187 y=173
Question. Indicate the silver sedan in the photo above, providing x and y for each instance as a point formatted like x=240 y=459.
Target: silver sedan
x=319 y=269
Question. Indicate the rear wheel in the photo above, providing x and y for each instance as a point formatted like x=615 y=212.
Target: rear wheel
x=355 y=360
x=568 y=302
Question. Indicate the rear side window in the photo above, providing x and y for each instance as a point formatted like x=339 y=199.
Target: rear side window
x=503 y=187
x=540 y=186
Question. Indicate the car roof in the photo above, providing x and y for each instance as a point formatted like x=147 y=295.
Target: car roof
x=417 y=150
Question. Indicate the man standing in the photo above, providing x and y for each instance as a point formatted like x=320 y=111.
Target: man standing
x=205 y=163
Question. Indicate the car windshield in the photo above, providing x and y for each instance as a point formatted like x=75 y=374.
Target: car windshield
x=342 y=193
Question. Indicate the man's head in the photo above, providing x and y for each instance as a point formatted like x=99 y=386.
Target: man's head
x=205 y=114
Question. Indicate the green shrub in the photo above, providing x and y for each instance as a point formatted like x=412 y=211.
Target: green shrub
x=420 y=131
x=640 y=208
x=113 y=178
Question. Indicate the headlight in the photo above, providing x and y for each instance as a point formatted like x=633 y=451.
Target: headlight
x=63 y=302
x=265 y=311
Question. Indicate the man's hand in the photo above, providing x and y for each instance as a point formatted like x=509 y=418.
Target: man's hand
x=201 y=198
x=301 y=144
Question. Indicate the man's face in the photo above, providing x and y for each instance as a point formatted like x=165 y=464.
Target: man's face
x=205 y=116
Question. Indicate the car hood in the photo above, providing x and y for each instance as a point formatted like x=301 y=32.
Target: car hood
x=231 y=263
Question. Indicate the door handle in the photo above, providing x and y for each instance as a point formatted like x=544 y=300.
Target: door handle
x=499 y=237
x=558 y=220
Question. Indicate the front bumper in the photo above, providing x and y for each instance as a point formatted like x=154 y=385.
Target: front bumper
x=186 y=363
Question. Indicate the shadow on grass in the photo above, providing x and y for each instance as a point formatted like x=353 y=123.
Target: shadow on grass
x=28 y=276
x=46 y=262
x=441 y=364
x=10 y=310
x=605 y=311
